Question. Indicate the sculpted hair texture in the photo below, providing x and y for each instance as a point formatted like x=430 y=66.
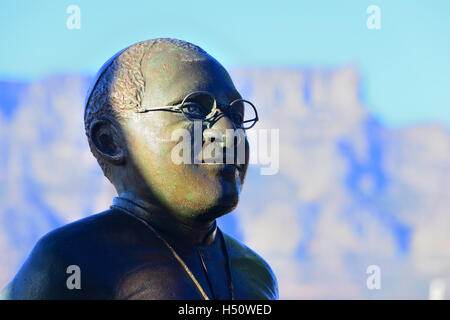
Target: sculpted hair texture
x=120 y=88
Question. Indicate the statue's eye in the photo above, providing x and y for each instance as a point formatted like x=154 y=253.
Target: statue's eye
x=194 y=110
x=238 y=118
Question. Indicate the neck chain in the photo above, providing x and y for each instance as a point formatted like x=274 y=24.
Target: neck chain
x=184 y=265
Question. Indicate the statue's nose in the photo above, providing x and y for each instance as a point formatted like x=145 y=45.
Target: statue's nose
x=219 y=128
x=223 y=121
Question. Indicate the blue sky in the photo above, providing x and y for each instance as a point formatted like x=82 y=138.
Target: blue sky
x=405 y=66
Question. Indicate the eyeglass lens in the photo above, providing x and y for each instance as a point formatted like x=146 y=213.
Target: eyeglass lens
x=202 y=105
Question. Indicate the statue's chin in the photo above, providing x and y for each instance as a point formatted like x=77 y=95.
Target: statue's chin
x=227 y=199
x=211 y=206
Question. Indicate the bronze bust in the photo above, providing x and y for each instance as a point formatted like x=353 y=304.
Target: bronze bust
x=159 y=239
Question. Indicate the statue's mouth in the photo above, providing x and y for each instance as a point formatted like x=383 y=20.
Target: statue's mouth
x=223 y=158
x=223 y=169
x=227 y=170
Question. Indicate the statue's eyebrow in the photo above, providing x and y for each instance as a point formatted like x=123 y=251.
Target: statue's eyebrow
x=175 y=102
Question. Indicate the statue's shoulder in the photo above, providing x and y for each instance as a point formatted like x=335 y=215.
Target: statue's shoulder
x=94 y=232
x=85 y=242
x=251 y=266
x=93 y=239
x=108 y=220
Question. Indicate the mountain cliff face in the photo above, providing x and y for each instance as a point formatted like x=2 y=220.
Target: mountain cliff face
x=349 y=192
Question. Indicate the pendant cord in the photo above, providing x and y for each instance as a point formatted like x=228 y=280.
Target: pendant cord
x=205 y=269
x=174 y=253
x=227 y=257
x=182 y=263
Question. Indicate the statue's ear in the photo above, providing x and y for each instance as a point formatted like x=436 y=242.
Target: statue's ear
x=107 y=141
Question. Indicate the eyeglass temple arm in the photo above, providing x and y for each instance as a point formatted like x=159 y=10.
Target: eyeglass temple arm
x=145 y=109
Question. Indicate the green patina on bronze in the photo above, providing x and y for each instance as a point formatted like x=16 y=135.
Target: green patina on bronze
x=124 y=252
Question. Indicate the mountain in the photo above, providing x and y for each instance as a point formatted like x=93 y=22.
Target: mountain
x=349 y=193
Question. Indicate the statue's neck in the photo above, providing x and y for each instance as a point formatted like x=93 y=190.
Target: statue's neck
x=166 y=225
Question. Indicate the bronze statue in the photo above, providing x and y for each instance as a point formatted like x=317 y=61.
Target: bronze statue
x=159 y=239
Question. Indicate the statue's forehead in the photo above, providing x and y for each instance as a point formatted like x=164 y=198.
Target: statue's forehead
x=172 y=74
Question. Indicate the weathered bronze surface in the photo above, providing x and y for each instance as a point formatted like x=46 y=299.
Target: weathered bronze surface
x=123 y=252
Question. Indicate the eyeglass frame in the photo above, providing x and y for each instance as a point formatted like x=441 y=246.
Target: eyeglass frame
x=211 y=114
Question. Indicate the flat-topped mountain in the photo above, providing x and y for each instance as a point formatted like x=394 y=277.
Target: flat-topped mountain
x=349 y=193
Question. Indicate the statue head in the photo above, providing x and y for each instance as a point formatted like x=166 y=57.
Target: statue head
x=130 y=124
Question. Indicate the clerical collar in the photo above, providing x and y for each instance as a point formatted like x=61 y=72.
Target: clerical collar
x=173 y=230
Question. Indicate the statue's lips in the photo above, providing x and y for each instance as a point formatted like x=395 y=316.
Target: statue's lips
x=223 y=169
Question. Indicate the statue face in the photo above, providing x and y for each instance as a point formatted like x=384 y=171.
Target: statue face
x=190 y=191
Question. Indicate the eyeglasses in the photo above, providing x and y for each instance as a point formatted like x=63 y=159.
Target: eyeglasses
x=202 y=105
